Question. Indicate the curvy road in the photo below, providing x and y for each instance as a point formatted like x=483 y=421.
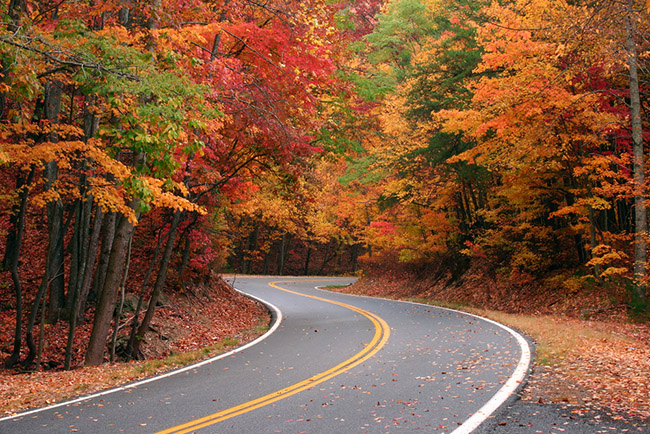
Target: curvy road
x=330 y=363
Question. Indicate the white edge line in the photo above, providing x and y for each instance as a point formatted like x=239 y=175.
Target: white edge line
x=274 y=327
x=506 y=390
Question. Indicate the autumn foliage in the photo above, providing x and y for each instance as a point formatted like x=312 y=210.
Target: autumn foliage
x=510 y=137
x=144 y=146
x=136 y=141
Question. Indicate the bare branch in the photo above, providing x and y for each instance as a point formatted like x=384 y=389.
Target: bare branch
x=44 y=12
x=275 y=11
x=70 y=59
x=201 y=47
x=517 y=29
x=252 y=49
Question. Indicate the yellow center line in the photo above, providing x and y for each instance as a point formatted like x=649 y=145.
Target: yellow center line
x=382 y=332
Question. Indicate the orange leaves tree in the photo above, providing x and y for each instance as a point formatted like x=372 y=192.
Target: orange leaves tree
x=100 y=128
x=510 y=134
x=549 y=118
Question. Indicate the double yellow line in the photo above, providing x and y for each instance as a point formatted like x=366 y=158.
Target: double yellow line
x=382 y=332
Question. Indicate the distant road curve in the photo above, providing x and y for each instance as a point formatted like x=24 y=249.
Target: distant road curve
x=330 y=363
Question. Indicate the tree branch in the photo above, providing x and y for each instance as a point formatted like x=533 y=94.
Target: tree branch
x=73 y=59
x=252 y=49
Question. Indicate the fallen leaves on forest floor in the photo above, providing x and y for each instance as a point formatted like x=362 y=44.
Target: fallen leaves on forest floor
x=603 y=365
x=610 y=373
x=188 y=330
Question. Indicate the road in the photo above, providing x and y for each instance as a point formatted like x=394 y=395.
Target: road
x=333 y=363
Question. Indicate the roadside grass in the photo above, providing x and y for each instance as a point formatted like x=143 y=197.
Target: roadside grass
x=260 y=329
x=181 y=359
x=329 y=287
x=19 y=392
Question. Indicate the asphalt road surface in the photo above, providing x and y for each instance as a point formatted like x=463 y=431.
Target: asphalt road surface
x=331 y=363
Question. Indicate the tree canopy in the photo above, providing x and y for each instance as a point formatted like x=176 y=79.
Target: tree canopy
x=144 y=146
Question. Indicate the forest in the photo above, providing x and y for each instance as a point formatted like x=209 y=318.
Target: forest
x=146 y=146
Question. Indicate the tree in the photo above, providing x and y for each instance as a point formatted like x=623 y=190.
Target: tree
x=640 y=213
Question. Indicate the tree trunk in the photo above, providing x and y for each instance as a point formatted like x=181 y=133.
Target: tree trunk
x=247 y=260
x=41 y=338
x=14 y=239
x=124 y=17
x=106 y=304
x=640 y=213
x=90 y=242
x=16 y=9
x=12 y=245
x=186 y=254
x=160 y=282
x=12 y=256
x=267 y=263
x=75 y=247
x=80 y=308
x=307 y=259
x=592 y=241
x=79 y=237
x=84 y=245
x=327 y=258
x=282 y=252
x=54 y=274
x=368 y=221
x=80 y=246
x=108 y=236
x=578 y=241
x=153 y=23
x=354 y=256
x=339 y=259
x=191 y=219
x=461 y=212
x=118 y=311
x=217 y=38
x=241 y=249
x=29 y=334
x=79 y=301
x=472 y=195
x=143 y=290
x=15 y=354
